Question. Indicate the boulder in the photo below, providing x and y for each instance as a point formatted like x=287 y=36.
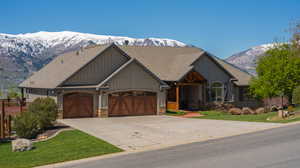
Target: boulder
x=20 y=145
x=247 y=110
x=260 y=110
x=235 y=111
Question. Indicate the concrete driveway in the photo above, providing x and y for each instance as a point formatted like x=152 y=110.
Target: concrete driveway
x=152 y=132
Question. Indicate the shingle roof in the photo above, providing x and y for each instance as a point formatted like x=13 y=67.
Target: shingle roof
x=243 y=78
x=167 y=63
x=62 y=67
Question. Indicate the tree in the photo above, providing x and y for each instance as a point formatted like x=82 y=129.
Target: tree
x=278 y=72
x=13 y=92
x=296 y=95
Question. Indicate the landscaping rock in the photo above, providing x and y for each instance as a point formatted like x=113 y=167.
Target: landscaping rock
x=20 y=145
x=247 y=110
x=235 y=111
x=260 y=110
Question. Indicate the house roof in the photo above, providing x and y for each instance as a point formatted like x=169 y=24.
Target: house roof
x=62 y=67
x=166 y=63
x=243 y=78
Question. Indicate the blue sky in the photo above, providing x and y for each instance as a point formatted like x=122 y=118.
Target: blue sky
x=222 y=27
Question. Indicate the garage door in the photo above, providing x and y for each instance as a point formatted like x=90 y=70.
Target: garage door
x=132 y=103
x=78 y=105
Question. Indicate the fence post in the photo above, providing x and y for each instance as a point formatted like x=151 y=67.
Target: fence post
x=9 y=125
x=2 y=121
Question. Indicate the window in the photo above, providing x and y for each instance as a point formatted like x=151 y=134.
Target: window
x=217 y=89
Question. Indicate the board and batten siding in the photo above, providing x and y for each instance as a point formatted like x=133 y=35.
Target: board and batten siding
x=98 y=69
x=134 y=77
x=213 y=73
x=210 y=71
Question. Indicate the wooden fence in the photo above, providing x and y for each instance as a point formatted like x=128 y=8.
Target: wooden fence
x=9 y=108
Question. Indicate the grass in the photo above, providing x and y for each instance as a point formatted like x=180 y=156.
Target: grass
x=68 y=145
x=175 y=113
x=266 y=117
x=217 y=115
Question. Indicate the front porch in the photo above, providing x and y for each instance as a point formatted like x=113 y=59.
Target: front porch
x=187 y=94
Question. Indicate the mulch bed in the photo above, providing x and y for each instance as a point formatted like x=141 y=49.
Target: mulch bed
x=51 y=131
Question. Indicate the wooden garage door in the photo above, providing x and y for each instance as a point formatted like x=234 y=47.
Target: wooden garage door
x=132 y=103
x=78 y=105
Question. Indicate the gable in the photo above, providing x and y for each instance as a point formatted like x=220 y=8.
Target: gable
x=133 y=76
x=98 y=69
x=243 y=77
x=62 y=67
x=210 y=70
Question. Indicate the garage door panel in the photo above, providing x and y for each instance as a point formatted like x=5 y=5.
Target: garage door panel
x=132 y=103
x=78 y=105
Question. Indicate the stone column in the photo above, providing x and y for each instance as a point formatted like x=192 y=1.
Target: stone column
x=162 y=102
x=103 y=105
x=60 y=105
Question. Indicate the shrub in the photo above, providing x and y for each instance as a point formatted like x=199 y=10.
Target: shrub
x=46 y=111
x=26 y=125
x=296 y=95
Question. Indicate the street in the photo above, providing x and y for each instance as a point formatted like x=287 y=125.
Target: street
x=275 y=148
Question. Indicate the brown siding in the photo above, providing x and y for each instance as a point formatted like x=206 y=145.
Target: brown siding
x=98 y=69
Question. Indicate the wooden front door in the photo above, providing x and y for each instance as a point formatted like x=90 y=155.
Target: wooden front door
x=132 y=103
x=76 y=105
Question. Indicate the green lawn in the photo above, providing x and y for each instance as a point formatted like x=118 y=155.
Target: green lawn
x=68 y=145
x=216 y=115
x=175 y=113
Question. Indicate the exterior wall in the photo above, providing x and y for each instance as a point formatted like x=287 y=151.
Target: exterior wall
x=213 y=73
x=97 y=70
x=33 y=93
x=133 y=77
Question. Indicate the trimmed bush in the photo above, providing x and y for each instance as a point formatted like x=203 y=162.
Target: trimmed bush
x=296 y=95
x=45 y=110
x=26 y=125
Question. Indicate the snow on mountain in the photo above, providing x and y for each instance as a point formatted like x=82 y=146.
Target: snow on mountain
x=22 y=54
x=247 y=59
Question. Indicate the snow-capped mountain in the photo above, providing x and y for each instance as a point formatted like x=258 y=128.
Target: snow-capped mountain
x=247 y=59
x=22 y=54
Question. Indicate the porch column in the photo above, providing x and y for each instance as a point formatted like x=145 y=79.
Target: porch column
x=177 y=97
x=103 y=105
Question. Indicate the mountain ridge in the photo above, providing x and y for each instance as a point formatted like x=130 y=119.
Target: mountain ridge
x=247 y=59
x=23 y=54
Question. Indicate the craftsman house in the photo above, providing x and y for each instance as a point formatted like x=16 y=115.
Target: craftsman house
x=112 y=80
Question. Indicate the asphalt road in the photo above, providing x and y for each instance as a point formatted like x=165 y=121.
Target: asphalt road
x=275 y=148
